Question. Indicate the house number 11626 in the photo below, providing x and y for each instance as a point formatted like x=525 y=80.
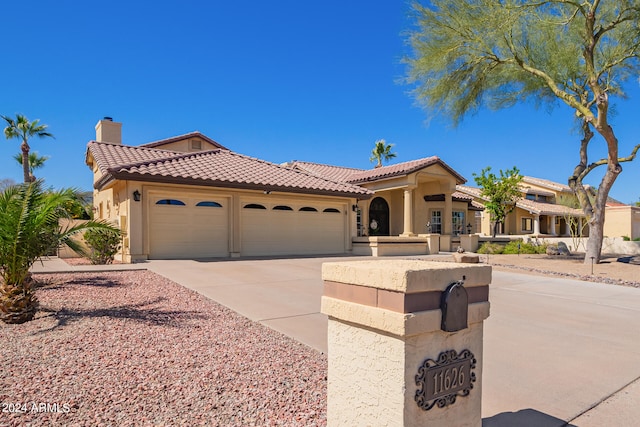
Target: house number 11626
x=442 y=380
x=450 y=379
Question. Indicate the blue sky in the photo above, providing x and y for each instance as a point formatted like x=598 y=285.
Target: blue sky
x=279 y=80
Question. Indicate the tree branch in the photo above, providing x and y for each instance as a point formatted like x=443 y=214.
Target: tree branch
x=602 y=162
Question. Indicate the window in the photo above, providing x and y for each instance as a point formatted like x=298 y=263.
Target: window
x=254 y=206
x=209 y=204
x=331 y=210
x=436 y=222
x=282 y=208
x=530 y=196
x=308 y=209
x=174 y=202
x=527 y=224
x=457 y=222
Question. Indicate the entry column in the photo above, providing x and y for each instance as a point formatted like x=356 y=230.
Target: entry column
x=408 y=213
x=405 y=342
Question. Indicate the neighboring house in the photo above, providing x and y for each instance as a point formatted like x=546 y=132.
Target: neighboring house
x=541 y=211
x=190 y=197
x=622 y=220
x=538 y=212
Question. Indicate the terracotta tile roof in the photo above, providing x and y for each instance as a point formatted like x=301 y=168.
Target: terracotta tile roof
x=211 y=168
x=109 y=155
x=334 y=173
x=401 y=169
x=458 y=195
x=541 y=208
x=471 y=191
x=189 y=135
x=555 y=186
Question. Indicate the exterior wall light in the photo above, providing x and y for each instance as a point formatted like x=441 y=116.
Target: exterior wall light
x=136 y=196
x=469 y=227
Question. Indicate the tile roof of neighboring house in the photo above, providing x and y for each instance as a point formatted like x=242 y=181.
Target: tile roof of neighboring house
x=462 y=196
x=538 y=208
x=189 y=135
x=335 y=173
x=556 y=186
x=401 y=169
x=211 y=168
x=611 y=202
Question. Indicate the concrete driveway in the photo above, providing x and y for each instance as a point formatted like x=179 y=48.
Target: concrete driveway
x=555 y=349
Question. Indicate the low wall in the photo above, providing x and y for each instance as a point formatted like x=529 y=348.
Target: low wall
x=610 y=245
x=390 y=245
x=64 y=251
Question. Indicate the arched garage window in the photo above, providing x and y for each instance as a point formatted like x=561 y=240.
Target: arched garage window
x=209 y=204
x=174 y=202
x=254 y=206
x=331 y=210
x=308 y=209
x=282 y=208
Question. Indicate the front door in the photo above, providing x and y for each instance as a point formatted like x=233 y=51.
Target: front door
x=379 y=217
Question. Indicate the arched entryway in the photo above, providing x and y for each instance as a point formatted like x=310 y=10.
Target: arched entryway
x=379 y=216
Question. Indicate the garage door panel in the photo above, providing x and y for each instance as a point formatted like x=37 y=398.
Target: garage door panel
x=188 y=231
x=291 y=232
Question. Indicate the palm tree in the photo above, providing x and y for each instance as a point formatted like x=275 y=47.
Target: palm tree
x=381 y=151
x=29 y=229
x=35 y=162
x=21 y=128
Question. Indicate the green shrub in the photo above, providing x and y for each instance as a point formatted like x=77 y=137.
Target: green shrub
x=104 y=245
x=626 y=238
x=491 y=248
x=637 y=239
x=525 y=248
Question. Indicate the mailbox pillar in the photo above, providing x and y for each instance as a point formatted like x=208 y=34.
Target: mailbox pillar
x=390 y=361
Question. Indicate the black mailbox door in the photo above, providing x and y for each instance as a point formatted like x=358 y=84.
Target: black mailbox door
x=455 y=307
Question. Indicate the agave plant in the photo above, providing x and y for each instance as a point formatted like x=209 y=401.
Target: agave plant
x=29 y=218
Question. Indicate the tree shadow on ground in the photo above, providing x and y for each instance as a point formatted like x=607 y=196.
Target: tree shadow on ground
x=635 y=260
x=96 y=281
x=140 y=312
x=524 y=418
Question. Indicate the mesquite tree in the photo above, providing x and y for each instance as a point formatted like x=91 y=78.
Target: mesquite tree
x=469 y=54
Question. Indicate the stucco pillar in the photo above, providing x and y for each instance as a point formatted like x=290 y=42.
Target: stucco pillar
x=408 y=213
x=552 y=226
x=235 y=238
x=396 y=355
x=447 y=224
x=536 y=224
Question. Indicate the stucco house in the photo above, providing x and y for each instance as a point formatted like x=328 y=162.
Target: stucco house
x=622 y=220
x=539 y=211
x=190 y=197
x=542 y=211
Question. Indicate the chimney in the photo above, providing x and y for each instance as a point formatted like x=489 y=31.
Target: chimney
x=109 y=131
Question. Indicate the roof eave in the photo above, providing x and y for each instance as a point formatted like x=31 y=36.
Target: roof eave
x=124 y=175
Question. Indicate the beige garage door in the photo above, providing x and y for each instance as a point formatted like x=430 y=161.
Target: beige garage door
x=288 y=229
x=188 y=227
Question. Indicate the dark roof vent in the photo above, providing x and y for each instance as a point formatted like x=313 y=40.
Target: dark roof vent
x=108 y=118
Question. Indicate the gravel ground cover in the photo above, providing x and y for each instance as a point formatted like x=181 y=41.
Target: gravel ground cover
x=613 y=270
x=135 y=349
